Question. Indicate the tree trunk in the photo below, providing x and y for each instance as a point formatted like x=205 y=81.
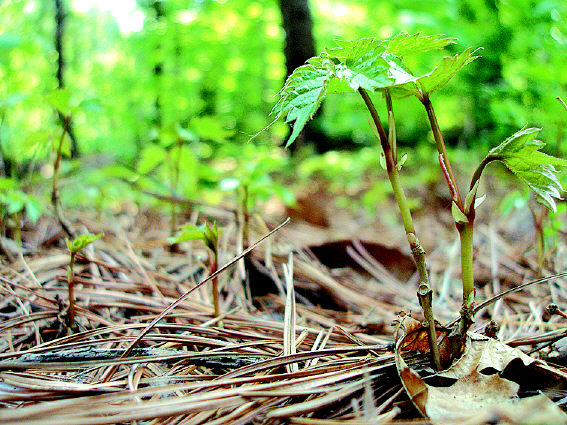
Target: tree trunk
x=300 y=46
x=59 y=33
x=159 y=11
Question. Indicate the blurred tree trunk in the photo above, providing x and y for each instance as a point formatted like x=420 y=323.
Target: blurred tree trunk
x=159 y=11
x=300 y=46
x=59 y=35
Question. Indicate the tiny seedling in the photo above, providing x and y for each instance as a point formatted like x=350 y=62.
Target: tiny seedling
x=75 y=246
x=210 y=237
x=372 y=65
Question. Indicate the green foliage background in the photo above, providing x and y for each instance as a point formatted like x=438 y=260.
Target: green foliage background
x=222 y=65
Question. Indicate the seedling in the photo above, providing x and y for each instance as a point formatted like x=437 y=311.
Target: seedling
x=60 y=100
x=371 y=65
x=74 y=247
x=210 y=237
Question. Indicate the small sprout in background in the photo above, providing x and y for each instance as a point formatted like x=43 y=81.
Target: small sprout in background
x=60 y=100
x=210 y=237
x=75 y=246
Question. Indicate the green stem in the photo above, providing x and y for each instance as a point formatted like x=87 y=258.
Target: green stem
x=213 y=267
x=402 y=201
x=465 y=229
x=175 y=184
x=424 y=292
x=55 y=189
x=466 y=233
x=56 y=165
x=391 y=125
x=71 y=288
x=478 y=172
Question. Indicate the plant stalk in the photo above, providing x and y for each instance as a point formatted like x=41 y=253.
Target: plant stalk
x=466 y=236
x=424 y=292
x=71 y=288
x=55 y=190
x=465 y=229
x=213 y=266
x=438 y=136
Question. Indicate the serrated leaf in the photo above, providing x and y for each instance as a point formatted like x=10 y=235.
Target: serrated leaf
x=404 y=43
x=302 y=95
x=445 y=70
x=365 y=64
x=370 y=64
x=435 y=80
x=520 y=153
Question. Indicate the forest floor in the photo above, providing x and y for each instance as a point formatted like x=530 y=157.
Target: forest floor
x=310 y=330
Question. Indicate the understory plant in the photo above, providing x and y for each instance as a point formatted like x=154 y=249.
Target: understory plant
x=75 y=246
x=369 y=66
x=60 y=100
x=210 y=237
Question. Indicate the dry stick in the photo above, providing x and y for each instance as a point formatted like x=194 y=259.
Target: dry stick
x=144 y=332
x=508 y=292
x=424 y=292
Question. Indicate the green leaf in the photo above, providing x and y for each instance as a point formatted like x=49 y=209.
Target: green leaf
x=60 y=99
x=152 y=156
x=370 y=64
x=302 y=94
x=402 y=161
x=520 y=153
x=458 y=215
x=211 y=237
x=81 y=242
x=445 y=70
x=188 y=232
x=471 y=197
x=436 y=79
x=405 y=44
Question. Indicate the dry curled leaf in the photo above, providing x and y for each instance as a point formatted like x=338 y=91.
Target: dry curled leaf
x=476 y=398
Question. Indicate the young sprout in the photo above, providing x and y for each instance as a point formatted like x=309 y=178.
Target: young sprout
x=210 y=237
x=75 y=246
x=60 y=100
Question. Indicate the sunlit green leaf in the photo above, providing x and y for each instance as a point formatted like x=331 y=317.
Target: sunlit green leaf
x=520 y=153
x=188 y=232
x=151 y=157
x=81 y=242
x=302 y=94
x=405 y=44
x=429 y=83
x=60 y=99
x=370 y=64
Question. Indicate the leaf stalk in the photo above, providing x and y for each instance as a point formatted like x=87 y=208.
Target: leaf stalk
x=418 y=253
